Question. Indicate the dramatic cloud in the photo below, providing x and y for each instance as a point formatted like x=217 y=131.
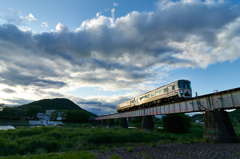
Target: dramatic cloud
x=118 y=53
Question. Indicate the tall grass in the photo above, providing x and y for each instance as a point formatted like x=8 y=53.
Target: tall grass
x=39 y=140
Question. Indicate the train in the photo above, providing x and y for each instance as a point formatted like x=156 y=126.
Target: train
x=175 y=91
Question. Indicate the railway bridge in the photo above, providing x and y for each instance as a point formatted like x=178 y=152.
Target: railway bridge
x=217 y=125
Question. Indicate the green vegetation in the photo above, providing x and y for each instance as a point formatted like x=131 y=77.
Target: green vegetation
x=176 y=123
x=130 y=149
x=32 y=110
x=57 y=103
x=43 y=140
x=234 y=116
x=114 y=156
x=180 y=152
x=77 y=115
x=70 y=155
x=145 y=155
x=63 y=108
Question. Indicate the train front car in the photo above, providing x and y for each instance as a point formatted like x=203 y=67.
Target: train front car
x=185 y=90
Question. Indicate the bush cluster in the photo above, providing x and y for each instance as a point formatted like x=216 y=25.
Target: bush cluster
x=176 y=123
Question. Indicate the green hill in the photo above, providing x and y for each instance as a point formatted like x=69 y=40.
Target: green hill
x=56 y=103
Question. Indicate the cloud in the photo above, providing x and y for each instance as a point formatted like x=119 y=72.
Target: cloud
x=115 y=4
x=44 y=24
x=18 y=101
x=129 y=52
x=30 y=17
x=98 y=14
x=61 y=27
x=113 y=11
x=7 y=90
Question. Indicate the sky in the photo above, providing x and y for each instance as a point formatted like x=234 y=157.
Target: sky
x=101 y=53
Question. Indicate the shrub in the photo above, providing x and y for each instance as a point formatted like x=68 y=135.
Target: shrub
x=176 y=123
x=114 y=156
x=130 y=149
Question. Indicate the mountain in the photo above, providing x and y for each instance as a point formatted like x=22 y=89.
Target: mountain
x=56 y=103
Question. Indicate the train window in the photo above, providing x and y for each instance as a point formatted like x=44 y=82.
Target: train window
x=148 y=95
x=161 y=91
x=184 y=84
x=165 y=90
x=152 y=95
x=169 y=89
x=180 y=84
x=173 y=87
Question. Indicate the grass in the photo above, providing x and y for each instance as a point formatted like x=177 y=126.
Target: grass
x=145 y=155
x=114 y=156
x=72 y=155
x=130 y=149
x=38 y=140
x=82 y=137
x=180 y=152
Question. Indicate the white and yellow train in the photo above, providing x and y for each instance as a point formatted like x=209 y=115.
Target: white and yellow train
x=174 y=91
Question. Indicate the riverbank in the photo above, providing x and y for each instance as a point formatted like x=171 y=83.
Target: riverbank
x=100 y=141
x=37 y=140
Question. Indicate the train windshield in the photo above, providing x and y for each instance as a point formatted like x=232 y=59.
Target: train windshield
x=184 y=84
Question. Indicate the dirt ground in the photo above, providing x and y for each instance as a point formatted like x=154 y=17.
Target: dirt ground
x=175 y=151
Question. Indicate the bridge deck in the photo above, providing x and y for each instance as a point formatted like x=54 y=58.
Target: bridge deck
x=229 y=99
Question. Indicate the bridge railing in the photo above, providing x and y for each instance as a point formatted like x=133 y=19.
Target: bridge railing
x=228 y=99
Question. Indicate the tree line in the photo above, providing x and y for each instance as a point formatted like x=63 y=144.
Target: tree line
x=9 y=112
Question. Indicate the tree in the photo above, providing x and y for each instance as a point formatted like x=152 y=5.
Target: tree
x=176 y=123
x=32 y=110
x=77 y=115
x=59 y=113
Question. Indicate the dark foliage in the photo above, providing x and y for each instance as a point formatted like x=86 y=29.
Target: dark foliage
x=77 y=115
x=12 y=112
x=235 y=114
x=176 y=123
x=32 y=110
x=199 y=117
x=57 y=103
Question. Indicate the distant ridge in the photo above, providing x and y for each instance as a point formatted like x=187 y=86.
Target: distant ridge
x=56 y=103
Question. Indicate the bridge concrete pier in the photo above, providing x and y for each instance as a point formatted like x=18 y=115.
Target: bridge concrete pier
x=98 y=122
x=218 y=127
x=147 y=123
x=110 y=123
x=123 y=123
x=104 y=123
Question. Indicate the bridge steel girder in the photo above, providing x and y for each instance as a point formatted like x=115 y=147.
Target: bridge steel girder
x=218 y=127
